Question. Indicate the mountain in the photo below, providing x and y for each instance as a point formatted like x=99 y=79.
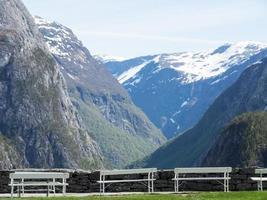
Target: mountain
x=247 y=94
x=175 y=90
x=242 y=143
x=39 y=127
x=122 y=130
x=104 y=58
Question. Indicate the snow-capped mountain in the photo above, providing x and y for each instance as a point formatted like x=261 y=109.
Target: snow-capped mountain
x=75 y=60
x=104 y=58
x=174 y=90
x=122 y=131
x=231 y=132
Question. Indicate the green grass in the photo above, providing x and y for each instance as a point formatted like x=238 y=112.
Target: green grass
x=195 y=196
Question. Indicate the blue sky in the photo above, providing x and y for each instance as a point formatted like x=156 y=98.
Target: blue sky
x=140 y=27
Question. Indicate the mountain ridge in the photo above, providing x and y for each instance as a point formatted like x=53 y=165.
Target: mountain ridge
x=175 y=90
x=121 y=129
x=247 y=94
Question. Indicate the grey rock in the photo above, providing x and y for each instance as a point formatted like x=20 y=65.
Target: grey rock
x=37 y=115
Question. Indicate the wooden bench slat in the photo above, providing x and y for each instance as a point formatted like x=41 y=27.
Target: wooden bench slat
x=125 y=181
x=38 y=175
x=196 y=170
x=201 y=178
x=38 y=184
x=128 y=171
x=259 y=178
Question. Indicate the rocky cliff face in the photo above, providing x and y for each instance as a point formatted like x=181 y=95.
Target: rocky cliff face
x=122 y=130
x=242 y=143
x=38 y=124
x=248 y=94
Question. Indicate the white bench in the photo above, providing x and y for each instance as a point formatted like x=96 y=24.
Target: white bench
x=203 y=170
x=49 y=180
x=261 y=178
x=149 y=178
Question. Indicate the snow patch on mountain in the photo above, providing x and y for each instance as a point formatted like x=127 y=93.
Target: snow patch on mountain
x=196 y=66
x=104 y=58
x=204 y=65
x=172 y=120
x=131 y=73
x=57 y=36
x=184 y=104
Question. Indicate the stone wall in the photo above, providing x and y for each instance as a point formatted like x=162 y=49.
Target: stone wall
x=86 y=182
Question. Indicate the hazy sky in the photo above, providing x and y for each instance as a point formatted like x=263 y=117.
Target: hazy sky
x=139 y=27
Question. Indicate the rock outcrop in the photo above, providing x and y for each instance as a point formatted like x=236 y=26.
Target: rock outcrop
x=39 y=125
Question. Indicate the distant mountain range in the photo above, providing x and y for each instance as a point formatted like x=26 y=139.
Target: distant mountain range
x=213 y=141
x=175 y=90
x=122 y=131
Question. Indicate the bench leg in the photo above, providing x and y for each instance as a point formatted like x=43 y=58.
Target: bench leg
x=47 y=192
x=103 y=187
x=259 y=186
x=12 y=191
x=227 y=183
x=54 y=190
x=64 y=190
x=152 y=186
x=19 y=191
x=176 y=186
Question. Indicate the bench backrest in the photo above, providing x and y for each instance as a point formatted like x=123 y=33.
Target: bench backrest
x=196 y=170
x=38 y=175
x=128 y=171
x=261 y=171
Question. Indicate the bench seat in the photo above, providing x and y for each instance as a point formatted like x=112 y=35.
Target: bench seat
x=29 y=183
x=125 y=181
x=259 y=178
x=201 y=178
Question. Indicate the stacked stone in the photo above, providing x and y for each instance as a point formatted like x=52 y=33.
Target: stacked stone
x=86 y=182
x=240 y=180
x=4 y=181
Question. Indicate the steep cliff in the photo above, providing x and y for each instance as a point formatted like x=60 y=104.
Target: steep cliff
x=38 y=124
x=122 y=130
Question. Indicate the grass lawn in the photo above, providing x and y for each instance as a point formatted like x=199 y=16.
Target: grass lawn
x=196 y=196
